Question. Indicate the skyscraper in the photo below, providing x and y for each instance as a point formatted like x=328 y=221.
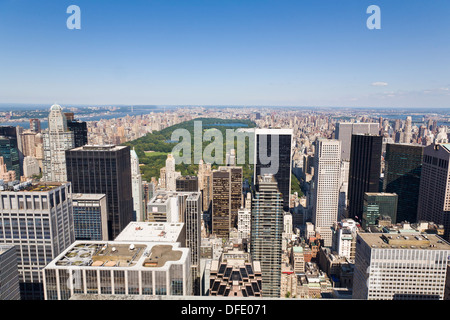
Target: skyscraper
x=171 y=174
x=327 y=165
x=434 y=204
x=205 y=183
x=345 y=130
x=273 y=155
x=57 y=140
x=407 y=131
x=90 y=216
x=226 y=199
x=9 y=149
x=187 y=184
x=364 y=172
x=80 y=132
x=9 y=273
x=403 y=168
x=137 y=188
x=35 y=125
x=191 y=216
x=378 y=204
x=266 y=233
x=37 y=220
x=107 y=170
x=400 y=267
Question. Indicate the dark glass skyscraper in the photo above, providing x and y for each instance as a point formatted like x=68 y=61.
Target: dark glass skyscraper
x=403 y=168
x=79 y=129
x=282 y=168
x=104 y=169
x=364 y=172
x=379 y=204
x=187 y=184
x=9 y=149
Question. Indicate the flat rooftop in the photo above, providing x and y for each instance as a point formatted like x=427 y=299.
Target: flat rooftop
x=384 y=194
x=88 y=196
x=116 y=254
x=93 y=147
x=32 y=187
x=151 y=231
x=402 y=241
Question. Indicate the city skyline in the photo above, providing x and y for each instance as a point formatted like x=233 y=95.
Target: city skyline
x=191 y=151
x=286 y=53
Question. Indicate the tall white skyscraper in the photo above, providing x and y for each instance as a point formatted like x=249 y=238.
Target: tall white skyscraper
x=171 y=174
x=136 y=187
x=57 y=140
x=327 y=164
x=407 y=135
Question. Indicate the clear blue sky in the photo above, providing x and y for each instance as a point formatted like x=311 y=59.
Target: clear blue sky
x=226 y=52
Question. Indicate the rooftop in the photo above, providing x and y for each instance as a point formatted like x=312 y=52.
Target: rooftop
x=151 y=231
x=116 y=254
x=401 y=241
x=88 y=196
x=28 y=186
x=105 y=147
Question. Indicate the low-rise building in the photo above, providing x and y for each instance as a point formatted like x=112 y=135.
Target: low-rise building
x=120 y=268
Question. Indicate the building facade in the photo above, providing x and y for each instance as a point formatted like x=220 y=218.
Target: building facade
x=120 y=268
x=57 y=139
x=345 y=130
x=90 y=216
x=36 y=219
x=403 y=168
x=364 y=172
x=399 y=267
x=434 y=203
x=327 y=165
x=105 y=170
x=266 y=233
x=273 y=155
x=9 y=274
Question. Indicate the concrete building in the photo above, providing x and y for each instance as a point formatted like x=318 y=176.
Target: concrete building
x=266 y=233
x=344 y=238
x=345 y=130
x=37 y=220
x=327 y=164
x=30 y=167
x=9 y=274
x=226 y=199
x=205 y=183
x=137 y=191
x=434 y=202
x=90 y=216
x=5 y=174
x=244 y=223
x=119 y=268
x=57 y=139
x=104 y=169
x=187 y=184
x=171 y=174
x=400 y=267
x=235 y=275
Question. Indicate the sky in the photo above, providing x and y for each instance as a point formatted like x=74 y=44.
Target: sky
x=226 y=52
